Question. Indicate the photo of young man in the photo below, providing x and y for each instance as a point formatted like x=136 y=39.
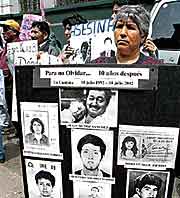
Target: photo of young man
x=92 y=152
x=147 y=184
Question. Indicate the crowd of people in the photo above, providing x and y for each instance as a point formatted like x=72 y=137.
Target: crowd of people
x=131 y=24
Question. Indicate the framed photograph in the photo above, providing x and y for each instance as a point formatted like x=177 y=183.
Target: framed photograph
x=147 y=147
x=91 y=190
x=89 y=107
x=92 y=152
x=147 y=183
x=40 y=129
x=44 y=178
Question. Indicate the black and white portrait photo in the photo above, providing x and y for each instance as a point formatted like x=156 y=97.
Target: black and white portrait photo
x=36 y=136
x=145 y=184
x=44 y=179
x=92 y=152
x=90 y=106
x=108 y=48
x=176 y=188
x=40 y=129
x=128 y=147
x=91 y=190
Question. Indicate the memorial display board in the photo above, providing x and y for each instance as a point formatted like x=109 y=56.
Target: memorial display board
x=99 y=130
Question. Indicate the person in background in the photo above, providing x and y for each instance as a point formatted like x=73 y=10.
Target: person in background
x=10 y=33
x=130 y=33
x=67 y=51
x=40 y=31
x=148 y=47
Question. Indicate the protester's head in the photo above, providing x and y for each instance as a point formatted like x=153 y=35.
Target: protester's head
x=131 y=29
x=67 y=28
x=97 y=101
x=129 y=143
x=91 y=149
x=37 y=126
x=40 y=31
x=11 y=30
x=116 y=5
x=148 y=185
x=45 y=182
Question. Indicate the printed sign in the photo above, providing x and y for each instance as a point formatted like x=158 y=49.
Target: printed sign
x=99 y=77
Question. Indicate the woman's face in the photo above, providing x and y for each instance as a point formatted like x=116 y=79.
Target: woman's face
x=37 y=127
x=127 y=37
x=129 y=145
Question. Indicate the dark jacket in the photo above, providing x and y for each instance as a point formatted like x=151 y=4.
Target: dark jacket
x=112 y=53
x=143 y=59
x=47 y=46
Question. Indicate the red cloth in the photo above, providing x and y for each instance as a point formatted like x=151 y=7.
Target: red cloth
x=3 y=60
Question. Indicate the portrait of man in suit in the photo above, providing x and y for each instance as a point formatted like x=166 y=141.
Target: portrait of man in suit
x=108 y=52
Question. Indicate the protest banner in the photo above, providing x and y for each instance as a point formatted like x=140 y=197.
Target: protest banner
x=92 y=40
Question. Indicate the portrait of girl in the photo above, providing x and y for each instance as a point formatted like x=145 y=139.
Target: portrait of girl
x=129 y=148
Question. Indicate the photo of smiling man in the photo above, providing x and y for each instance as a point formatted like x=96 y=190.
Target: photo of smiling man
x=92 y=152
x=95 y=107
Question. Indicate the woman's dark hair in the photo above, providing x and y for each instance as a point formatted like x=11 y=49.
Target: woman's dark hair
x=46 y=175
x=42 y=26
x=124 y=149
x=39 y=121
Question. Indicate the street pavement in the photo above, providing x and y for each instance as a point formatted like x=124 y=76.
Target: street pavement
x=11 y=180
